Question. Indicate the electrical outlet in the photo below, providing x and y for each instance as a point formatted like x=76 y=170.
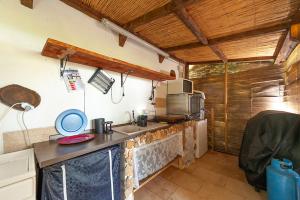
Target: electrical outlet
x=26 y=106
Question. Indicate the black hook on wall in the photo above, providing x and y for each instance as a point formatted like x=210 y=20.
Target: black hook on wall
x=123 y=80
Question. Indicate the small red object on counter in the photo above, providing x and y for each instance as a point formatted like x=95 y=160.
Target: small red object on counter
x=76 y=139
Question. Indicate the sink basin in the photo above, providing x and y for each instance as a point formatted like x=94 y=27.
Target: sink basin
x=17 y=175
x=128 y=129
x=134 y=129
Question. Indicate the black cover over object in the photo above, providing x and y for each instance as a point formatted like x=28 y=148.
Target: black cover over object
x=269 y=134
x=87 y=177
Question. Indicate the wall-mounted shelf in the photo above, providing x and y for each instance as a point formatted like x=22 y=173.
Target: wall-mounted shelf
x=59 y=50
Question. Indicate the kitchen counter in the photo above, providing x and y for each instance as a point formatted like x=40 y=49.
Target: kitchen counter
x=134 y=130
x=50 y=152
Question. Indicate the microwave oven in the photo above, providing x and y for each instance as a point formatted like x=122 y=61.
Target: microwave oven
x=180 y=86
x=184 y=104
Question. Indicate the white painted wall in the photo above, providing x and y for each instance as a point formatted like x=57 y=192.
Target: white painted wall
x=23 y=33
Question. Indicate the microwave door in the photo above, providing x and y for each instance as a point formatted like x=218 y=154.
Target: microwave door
x=194 y=104
x=178 y=104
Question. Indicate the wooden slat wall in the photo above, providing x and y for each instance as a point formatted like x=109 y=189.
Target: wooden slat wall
x=249 y=92
x=292 y=81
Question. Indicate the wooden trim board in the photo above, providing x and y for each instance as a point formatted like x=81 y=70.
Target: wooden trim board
x=57 y=49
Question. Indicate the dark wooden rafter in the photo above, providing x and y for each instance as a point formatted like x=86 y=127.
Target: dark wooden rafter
x=122 y=40
x=234 y=37
x=262 y=58
x=157 y=13
x=27 y=3
x=280 y=43
x=189 y=22
x=218 y=52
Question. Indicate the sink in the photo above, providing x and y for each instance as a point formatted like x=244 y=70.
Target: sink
x=17 y=175
x=128 y=129
x=134 y=129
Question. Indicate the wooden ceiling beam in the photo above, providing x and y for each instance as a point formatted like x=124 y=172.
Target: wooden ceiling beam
x=157 y=13
x=251 y=59
x=27 y=3
x=280 y=43
x=234 y=37
x=191 y=24
x=218 y=52
x=195 y=29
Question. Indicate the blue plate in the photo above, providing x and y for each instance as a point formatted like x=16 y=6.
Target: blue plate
x=71 y=122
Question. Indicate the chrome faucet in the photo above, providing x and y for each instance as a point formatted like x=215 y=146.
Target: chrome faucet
x=133 y=119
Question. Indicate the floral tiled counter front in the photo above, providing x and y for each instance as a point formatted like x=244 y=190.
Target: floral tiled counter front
x=151 y=151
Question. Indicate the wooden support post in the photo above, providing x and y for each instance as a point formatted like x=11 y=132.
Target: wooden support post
x=160 y=58
x=122 y=40
x=225 y=105
x=212 y=130
x=186 y=71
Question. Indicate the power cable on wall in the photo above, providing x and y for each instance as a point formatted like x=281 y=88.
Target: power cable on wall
x=122 y=91
x=8 y=110
x=27 y=140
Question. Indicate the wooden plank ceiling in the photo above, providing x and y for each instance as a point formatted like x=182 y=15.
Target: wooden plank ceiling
x=197 y=31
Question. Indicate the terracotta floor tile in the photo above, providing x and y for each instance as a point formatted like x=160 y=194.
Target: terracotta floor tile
x=186 y=181
x=145 y=194
x=191 y=168
x=215 y=176
x=169 y=173
x=215 y=192
x=243 y=189
x=209 y=176
x=161 y=187
x=183 y=194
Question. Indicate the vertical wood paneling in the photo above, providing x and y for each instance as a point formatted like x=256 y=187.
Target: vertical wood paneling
x=249 y=92
x=226 y=105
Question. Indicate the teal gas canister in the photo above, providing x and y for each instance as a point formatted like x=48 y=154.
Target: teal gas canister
x=283 y=183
